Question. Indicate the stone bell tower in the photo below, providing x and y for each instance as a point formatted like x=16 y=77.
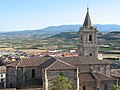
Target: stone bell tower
x=88 y=38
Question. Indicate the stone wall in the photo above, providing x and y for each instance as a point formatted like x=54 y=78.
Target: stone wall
x=71 y=74
x=101 y=68
x=19 y=76
x=28 y=73
x=108 y=85
x=11 y=77
x=87 y=46
x=84 y=68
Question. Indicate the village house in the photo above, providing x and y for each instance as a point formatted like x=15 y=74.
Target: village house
x=2 y=77
x=85 y=71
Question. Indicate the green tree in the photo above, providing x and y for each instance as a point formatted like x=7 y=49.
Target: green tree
x=61 y=83
x=115 y=87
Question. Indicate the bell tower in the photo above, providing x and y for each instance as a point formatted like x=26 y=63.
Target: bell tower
x=88 y=38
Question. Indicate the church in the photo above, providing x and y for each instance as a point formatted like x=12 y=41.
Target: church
x=85 y=71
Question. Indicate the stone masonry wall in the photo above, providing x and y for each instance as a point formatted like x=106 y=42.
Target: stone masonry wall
x=71 y=74
x=21 y=75
x=10 y=77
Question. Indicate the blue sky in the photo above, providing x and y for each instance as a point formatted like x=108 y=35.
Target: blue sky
x=36 y=14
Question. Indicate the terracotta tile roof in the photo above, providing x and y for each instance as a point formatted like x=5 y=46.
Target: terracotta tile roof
x=48 y=63
x=2 y=69
x=82 y=60
x=86 y=77
x=32 y=61
x=12 y=64
x=56 y=64
x=70 y=54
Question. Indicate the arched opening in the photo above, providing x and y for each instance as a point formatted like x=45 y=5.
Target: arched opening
x=33 y=73
x=84 y=88
x=81 y=38
x=90 y=54
x=90 y=37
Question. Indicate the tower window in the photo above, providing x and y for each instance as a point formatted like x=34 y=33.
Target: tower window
x=81 y=38
x=90 y=37
x=33 y=73
x=90 y=54
x=1 y=80
x=1 y=75
x=84 y=88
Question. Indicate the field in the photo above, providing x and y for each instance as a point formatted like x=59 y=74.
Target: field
x=63 y=41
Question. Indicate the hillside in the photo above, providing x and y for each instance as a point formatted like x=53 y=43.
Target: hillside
x=115 y=35
x=56 y=37
x=71 y=39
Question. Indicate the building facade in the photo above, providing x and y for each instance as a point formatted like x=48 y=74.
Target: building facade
x=40 y=72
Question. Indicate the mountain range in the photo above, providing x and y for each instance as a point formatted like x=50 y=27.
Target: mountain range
x=52 y=30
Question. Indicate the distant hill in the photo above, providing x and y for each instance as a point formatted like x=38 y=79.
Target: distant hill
x=52 y=30
x=65 y=35
x=49 y=30
x=70 y=40
x=115 y=35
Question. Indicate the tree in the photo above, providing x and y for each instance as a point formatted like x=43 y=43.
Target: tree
x=61 y=83
x=115 y=87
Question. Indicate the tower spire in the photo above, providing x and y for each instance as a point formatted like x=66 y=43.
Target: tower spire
x=88 y=8
x=87 y=22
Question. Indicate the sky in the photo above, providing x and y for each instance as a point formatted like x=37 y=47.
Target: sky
x=18 y=15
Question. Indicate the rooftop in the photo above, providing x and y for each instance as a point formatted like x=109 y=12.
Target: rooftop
x=55 y=63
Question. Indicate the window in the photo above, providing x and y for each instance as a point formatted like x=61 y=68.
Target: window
x=33 y=73
x=1 y=80
x=81 y=38
x=97 y=88
x=90 y=54
x=84 y=88
x=61 y=74
x=1 y=75
x=90 y=37
x=105 y=87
